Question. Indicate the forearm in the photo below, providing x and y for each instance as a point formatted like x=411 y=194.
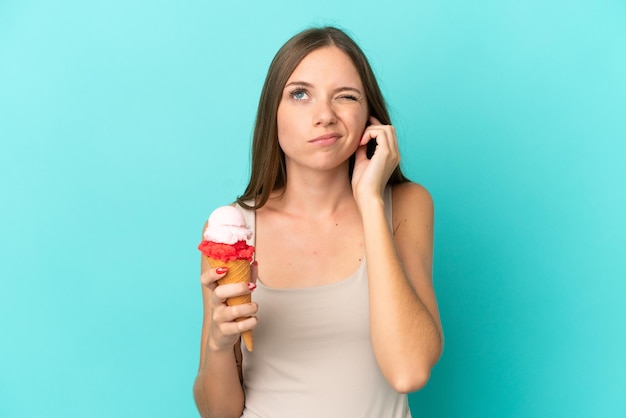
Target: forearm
x=217 y=389
x=406 y=338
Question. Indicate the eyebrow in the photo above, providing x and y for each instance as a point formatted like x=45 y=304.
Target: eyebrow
x=307 y=84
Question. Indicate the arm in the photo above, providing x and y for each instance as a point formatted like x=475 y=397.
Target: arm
x=217 y=389
x=406 y=331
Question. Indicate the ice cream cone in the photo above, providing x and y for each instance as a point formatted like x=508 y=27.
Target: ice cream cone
x=238 y=271
x=225 y=244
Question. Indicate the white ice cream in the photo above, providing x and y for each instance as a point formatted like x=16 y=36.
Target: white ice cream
x=227 y=226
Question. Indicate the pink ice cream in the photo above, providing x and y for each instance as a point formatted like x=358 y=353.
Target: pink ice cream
x=225 y=236
x=227 y=226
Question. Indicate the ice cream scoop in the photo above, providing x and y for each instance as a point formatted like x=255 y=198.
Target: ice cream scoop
x=227 y=225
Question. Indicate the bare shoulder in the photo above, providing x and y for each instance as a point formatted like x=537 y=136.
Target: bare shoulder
x=411 y=202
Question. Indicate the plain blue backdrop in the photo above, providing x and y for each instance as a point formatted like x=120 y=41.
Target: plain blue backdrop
x=124 y=123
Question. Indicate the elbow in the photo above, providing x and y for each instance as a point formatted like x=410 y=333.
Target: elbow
x=414 y=376
x=206 y=409
x=200 y=399
x=417 y=375
x=408 y=382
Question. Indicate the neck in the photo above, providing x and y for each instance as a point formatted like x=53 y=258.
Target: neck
x=315 y=194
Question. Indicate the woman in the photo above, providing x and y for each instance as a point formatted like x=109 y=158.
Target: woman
x=344 y=316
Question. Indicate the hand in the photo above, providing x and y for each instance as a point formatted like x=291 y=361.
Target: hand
x=224 y=330
x=370 y=177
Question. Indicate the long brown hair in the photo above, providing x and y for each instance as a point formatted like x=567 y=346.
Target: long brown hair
x=268 y=170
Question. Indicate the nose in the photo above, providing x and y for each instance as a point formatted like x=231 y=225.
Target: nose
x=324 y=113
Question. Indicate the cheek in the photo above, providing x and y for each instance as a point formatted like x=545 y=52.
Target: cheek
x=360 y=116
x=286 y=128
x=359 y=123
x=282 y=122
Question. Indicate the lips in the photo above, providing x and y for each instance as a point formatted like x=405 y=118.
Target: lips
x=326 y=139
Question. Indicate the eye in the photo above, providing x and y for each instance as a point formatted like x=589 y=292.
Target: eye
x=349 y=97
x=299 y=94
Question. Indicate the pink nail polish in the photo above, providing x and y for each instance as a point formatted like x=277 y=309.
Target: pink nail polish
x=221 y=270
x=251 y=286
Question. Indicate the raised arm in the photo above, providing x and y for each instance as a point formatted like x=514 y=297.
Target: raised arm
x=406 y=330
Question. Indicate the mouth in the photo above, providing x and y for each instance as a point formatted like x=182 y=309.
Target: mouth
x=327 y=139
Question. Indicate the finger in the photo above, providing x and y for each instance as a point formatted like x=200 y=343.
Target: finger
x=231 y=290
x=210 y=277
x=226 y=314
x=216 y=301
x=369 y=134
x=234 y=328
x=392 y=142
x=376 y=124
x=385 y=138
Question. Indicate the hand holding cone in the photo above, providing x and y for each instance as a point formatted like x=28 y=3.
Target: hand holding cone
x=225 y=245
x=238 y=271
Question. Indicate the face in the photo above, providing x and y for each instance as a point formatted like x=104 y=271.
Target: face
x=323 y=111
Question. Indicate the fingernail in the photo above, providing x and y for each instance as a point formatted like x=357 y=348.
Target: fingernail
x=221 y=270
x=255 y=263
x=251 y=286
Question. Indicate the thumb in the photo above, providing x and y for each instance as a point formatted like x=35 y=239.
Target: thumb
x=254 y=271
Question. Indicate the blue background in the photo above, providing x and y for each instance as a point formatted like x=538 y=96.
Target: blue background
x=124 y=123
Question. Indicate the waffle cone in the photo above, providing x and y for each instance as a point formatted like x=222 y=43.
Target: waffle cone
x=238 y=271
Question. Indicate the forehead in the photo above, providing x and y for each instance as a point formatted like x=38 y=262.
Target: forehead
x=326 y=65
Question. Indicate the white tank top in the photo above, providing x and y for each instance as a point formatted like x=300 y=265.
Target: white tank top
x=313 y=356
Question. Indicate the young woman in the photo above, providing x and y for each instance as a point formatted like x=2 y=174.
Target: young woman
x=344 y=313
